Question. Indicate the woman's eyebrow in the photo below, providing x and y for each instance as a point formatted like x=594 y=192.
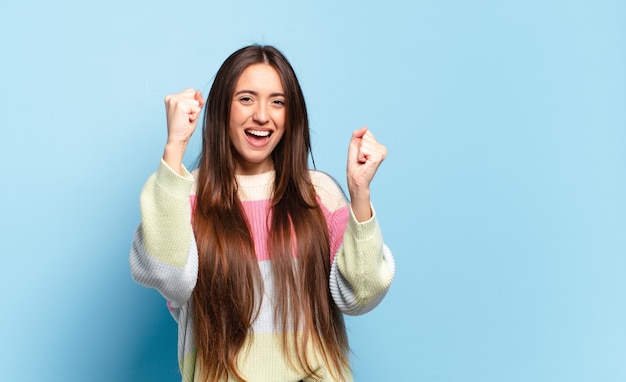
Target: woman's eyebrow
x=255 y=93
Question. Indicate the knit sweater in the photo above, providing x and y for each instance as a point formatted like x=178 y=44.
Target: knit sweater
x=164 y=256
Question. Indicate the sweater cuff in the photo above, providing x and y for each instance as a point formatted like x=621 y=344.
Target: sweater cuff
x=174 y=184
x=362 y=230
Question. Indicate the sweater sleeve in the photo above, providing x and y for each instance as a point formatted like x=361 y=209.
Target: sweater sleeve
x=163 y=254
x=363 y=267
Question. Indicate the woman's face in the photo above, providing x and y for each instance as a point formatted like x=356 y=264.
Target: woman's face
x=257 y=118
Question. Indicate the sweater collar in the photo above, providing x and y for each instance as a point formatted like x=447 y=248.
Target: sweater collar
x=259 y=180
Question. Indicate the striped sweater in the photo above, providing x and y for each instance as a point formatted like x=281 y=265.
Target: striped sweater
x=164 y=256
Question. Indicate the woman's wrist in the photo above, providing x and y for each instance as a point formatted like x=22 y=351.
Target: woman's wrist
x=360 y=204
x=173 y=155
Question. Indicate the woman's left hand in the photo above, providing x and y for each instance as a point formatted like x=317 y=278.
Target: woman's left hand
x=365 y=155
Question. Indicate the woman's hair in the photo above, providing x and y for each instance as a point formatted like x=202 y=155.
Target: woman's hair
x=226 y=299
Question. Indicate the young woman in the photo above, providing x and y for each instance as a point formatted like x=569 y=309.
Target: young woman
x=258 y=256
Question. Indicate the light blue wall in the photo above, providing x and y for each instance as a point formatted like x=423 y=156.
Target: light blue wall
x=503 y=196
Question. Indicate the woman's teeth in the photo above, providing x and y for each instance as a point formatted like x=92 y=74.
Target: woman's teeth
x=259 y=133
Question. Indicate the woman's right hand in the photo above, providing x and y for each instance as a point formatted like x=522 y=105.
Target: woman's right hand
x=183 y=112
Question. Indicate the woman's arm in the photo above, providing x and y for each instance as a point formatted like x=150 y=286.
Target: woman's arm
x=363 y=268
x=163 y=254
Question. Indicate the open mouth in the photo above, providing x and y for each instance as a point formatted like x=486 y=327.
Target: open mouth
x=258 y=134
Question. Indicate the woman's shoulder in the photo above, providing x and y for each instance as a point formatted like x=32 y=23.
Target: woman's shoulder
x=323 y=180
x=328 y=190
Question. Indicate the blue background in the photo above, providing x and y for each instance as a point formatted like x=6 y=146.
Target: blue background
x=503 y=196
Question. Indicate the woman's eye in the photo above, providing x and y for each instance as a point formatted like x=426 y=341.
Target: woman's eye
x=279 y=102
x=245 y=99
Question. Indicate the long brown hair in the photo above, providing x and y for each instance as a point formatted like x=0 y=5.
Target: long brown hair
x=227 y=295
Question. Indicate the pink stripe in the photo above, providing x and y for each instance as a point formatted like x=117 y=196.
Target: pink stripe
x=257 y=212
x=259 y=215
x=337 y=223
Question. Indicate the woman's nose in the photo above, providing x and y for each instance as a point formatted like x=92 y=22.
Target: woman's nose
x=260 y=114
